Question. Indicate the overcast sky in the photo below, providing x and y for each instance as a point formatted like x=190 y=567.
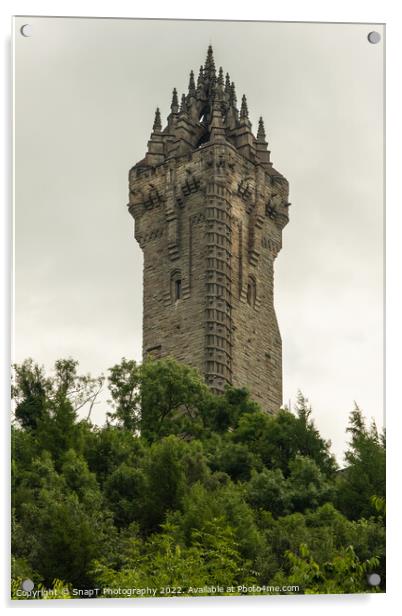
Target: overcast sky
x=86 y=92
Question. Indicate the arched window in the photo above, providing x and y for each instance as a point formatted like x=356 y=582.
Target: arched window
x=251 y=291
x=176 y=289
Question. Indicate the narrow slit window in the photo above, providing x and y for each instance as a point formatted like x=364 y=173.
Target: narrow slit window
x=251 y=291
x=176 y=289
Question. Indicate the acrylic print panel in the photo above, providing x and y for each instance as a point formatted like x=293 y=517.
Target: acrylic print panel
x=160 y=442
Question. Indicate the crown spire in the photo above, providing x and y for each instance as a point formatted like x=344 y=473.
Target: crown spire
x=157 y=121
x=175 y=102
x=209 y=62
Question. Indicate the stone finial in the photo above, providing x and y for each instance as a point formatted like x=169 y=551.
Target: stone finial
x=227 y=83
x=261 y=130
x=244 y=108
x=191 y=84
x=157 y=121
x=175 y=102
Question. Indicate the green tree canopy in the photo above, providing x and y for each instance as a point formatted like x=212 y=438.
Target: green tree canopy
x=182 y=487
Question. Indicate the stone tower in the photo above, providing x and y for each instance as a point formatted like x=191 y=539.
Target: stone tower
x=209 y=209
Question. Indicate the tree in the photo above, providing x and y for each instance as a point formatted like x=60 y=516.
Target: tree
x=60 y=523
x=234 y=459
x=343 y=574
x=106 y=448
x=165 y=481
x=30 y=391
x=364 y=475
x=268 y=490
x=222 y=413
x=174 y=569
x=278 y=439
x=172 y=398
x=308 y=487
x=124 y=491
x=124 y=384
x=48 y=406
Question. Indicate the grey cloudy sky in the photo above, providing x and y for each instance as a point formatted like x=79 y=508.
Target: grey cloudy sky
x=86 y=91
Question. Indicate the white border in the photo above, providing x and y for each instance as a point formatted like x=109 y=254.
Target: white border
x=367 y=11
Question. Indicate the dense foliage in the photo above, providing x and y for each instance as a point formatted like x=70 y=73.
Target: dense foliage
x=185 y=492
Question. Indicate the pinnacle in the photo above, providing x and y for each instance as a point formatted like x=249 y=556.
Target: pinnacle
x=175 y=102
x=191 y=83
x=157 y=121
x=261 y=130
x=220 y=76
x=244 y=108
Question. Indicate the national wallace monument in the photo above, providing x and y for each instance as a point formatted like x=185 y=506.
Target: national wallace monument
x=209 y=209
